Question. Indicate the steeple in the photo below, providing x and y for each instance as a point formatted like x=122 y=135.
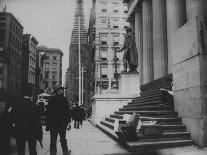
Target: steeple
x=79 y=12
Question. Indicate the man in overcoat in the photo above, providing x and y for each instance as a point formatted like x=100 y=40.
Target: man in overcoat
x=26 y=123
x=57 y=119
x=130 y=54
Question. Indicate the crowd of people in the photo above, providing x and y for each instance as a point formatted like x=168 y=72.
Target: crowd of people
x=23 y=121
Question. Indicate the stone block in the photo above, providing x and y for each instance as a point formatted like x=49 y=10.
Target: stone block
x=198 y=128
x=190 y=78
x=188 y=102
x=184 y=43
x=103 y=106
x=129 y=84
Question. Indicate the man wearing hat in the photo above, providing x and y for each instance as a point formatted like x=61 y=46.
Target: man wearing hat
x=26 y=122
x=131 y=54
x=58 y=117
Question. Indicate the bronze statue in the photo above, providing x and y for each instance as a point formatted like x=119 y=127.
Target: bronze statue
x=130 y=54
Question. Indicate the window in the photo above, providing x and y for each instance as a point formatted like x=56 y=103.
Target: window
x=46 y=84
x=103 y=76
x=116 y=39
x=104 y=39
x=47 y=64
x=116 y=8
x=54 y=64
x=104 y=71
x=47 y=74
x=47 y=57
x=104 y=55
x=1 y=70
x=2 y=22
x=54 y=84
x=54 y=57
x=103 y=5
x=115 y=23
x=104 y=22
x=104 y=8
x=2 y=35
x=54 y=75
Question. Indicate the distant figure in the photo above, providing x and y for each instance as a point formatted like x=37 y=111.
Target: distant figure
x=76 y=115
x=131 y=54
x=82 y=114
x=58 y=117
x=26 y=122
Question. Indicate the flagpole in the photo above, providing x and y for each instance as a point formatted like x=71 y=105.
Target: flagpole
x=109 y=67
x=82 y=87
x=79 y=58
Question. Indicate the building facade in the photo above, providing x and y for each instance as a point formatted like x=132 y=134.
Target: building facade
x=52 y=68
x=171 y=39
x=73 y=70
x=110 y=23
x=11 y=36
x=29 y=61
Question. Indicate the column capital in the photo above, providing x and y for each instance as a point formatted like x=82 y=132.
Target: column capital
x=131 y=19
x=137 y=9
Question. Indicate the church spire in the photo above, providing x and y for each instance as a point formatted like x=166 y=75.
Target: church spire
x=79 y=13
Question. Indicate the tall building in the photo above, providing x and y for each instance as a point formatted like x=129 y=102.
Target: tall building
x=52 y=68
x=10 y=53
x=29 y=61
x=73 y=71
x=110 y=24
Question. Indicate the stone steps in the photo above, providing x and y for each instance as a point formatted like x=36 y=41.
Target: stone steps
x=170 y=139
x=150 y=107
x=167 y=128
x=158 y=102
x=151 y=113
x=161 y=121
x=155 y=96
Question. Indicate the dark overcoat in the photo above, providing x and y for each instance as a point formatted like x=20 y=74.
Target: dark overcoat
x=58 y=113
x=131 y=50
x=26 y=119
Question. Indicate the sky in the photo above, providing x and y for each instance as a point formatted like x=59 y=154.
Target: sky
x=50 y=21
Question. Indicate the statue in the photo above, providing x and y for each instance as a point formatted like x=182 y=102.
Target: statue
x=130 y=54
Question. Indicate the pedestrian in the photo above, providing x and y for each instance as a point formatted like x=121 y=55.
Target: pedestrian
x=82 y=114
x=76 y=115
x=58 y=117
x=131 y=54
x=26 y=122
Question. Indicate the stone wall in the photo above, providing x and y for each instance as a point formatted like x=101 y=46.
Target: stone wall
x=189 y=60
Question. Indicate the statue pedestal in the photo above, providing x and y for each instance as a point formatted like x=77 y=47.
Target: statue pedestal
x=105 y=104
x=129 y=84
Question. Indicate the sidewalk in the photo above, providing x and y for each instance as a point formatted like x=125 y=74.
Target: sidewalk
x=89 y=140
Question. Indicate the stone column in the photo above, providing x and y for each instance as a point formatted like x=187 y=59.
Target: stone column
x=159 y=39
x=196 y=8
x=139 y=42
x=131 y=21
x=147 y=41
x=176 y=17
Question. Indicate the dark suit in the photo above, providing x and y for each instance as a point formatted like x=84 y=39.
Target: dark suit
x=58 y=117
x=25 y=116
x=76 y=114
